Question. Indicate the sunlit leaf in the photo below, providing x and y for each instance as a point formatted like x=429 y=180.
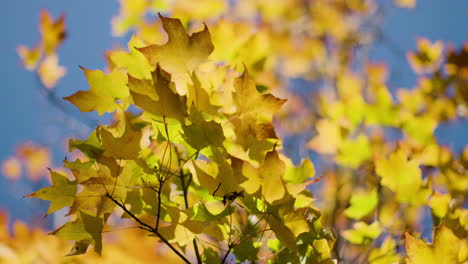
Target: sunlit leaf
x=444 y=249
x=50 y=72
x=361 y=204
x=402 y=176
x=60 y=194
x=11 y=168
x=53 y=32
x=103 y=93
x=362 y=233
x=182 y=53
x=84 y=228
x=29 y=56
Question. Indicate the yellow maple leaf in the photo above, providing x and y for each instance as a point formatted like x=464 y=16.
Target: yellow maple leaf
x=53 y=32
x=272 y=171
x=405 y=3
x=427 y=58
x=168 y=104
x=182 y=53
x=29 y=56
x=50 y=72
x=11 y=168
x=402 y=176
x=60 y=194
x=103 y=93
x=444 y=249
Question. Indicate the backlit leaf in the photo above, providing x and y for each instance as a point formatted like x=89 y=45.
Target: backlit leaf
x=103 y=93
x=272 y=172
x=60 y=194
x=361 y=204
x=362 y=233
x=444 y=249
x=84 y=229
x=50 y=72
x=402 y=176
x=182 y=53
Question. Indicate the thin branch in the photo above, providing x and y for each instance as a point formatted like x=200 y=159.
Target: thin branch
x=226 y=255
x=122 y=206
x=184 y=190
x=148 y=228
x=161 y=182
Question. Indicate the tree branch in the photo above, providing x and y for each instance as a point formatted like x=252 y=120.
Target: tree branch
x=148 y=228
x=184 y=190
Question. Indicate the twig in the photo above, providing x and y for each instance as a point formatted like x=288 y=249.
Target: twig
x=161 y=183
x=227 y=254
x=147 y=227
x=184 y=190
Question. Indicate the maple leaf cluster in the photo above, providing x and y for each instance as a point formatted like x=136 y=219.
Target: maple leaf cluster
x=196 y=154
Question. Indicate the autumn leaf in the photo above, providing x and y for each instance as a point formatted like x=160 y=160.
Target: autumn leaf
x=353 y=152
x=50 y=72
x=362 y=203
x=168 y=103
x=133 y=60
x=253 y=120
x=86 y=229
x=60 y=194
x=300 y=174
x=428 y=57
x=35 y=157
x=130 y=15
x=329 y=137
x=272 y=171
x=402 y=176
x=444 y=249
x=199 y=96
x=283 y=233
x=11 y=168
x=386 y=254
x=202 y=10
x=362 y=233
x=53 y=32
x=405 y=3
x=127 y=146
x=201 y=133
x=182 y=53
x=103 y=93
x=29 y=56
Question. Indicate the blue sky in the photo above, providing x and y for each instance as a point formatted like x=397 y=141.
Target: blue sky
x=28 y=116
